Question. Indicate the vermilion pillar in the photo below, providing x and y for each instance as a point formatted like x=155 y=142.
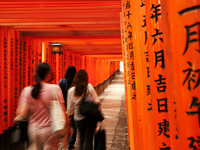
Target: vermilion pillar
x=182 y=34
x=17 y=70
x=158 y=73
x=146 y=119
x=4 y=85
x=128 y=95
x=11 y=80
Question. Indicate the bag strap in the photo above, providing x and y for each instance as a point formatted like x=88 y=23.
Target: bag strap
x=45 y=105
x=54 y=96
x=84 y=96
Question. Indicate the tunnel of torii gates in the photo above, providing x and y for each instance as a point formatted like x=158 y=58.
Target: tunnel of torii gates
x=161 y=55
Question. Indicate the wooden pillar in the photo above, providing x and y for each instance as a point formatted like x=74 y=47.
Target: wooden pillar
x=158 y=76
x=11 y=79
x=146 y=118
x=128 y=94
x=182 y=35
x=4 y=99
x=17 y=70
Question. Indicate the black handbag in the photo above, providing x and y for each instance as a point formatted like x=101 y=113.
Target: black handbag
x=89 y=109
x=100 y=139
x=21 y=133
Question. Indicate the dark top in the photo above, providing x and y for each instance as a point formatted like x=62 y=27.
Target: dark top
x=64 y=87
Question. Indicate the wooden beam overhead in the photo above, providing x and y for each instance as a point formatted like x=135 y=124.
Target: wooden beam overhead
x=90 y=27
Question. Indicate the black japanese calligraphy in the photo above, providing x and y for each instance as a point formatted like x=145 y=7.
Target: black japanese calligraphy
x=193 y=141
x=132 y=66
x=148 y=72
x=164 y=128
x=130 y=35
x=130 y=45
x=131 y=55
x=128 y=14
x=165 y=147
x=142 y=3
x=159 y=57
x=144 y=21
x=147 y=57
x=133 y=86
x=190 y=34
x=148 y=90
x=197 y=105
x=162 y=105
x=145 y=32
x=155 y=35
x=191 y=75
x=128 y=5
x=150 y=107
x=156 y=12
x=160 y=84
x=133 y=75
x=134 y=96
x=129 y=25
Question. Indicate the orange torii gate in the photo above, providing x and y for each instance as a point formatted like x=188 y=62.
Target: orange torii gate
x=166 y=53
x=21 y=55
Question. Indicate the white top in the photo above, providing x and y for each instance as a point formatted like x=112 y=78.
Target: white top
x=73 y=102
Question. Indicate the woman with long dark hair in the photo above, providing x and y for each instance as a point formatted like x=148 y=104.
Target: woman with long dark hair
x=40 y=132
x=85 y=126
x=65 y=84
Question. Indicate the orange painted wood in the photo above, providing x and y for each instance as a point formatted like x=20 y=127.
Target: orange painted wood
x=62 y=71
x=158 y=73
x=17 y=70
x=5 y=78
x=53 y=67
x=57 y=15
x=1 y=81
x=11 y=79
x=182 y=45
x=129 y=108
x=28 y=62
x=35 y=47
x=24 y=66
x=146 y=123
x=32 y=73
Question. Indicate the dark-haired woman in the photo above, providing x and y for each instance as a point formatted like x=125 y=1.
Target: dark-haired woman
x=65 y=84
x=85 y=126
x=40 y=132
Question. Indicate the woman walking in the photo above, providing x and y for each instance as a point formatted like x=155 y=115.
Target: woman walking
x=40 y=132
x=86 y=127
x=65 y=84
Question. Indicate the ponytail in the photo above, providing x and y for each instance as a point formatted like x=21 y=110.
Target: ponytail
x=36 y=90
x=41 y=72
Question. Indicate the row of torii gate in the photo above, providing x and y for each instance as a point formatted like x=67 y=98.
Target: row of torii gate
x=161 y=42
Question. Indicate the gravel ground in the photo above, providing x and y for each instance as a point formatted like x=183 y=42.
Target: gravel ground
x=120 y=141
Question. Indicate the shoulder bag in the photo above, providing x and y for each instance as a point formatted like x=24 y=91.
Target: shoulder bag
x=89 y=109
x=57 y=115
x=20 y=134
x=100 y=139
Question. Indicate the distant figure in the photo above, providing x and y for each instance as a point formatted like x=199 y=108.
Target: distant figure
x=65 y=84
x=85 y=126
x=40 y=133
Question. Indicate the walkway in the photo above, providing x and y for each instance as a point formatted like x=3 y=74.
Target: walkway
x=114 y=109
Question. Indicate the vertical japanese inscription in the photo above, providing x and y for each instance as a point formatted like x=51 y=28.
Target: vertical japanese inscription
x=5 y=83
x=159 y=77
x=130 y=51
x=192 y=69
